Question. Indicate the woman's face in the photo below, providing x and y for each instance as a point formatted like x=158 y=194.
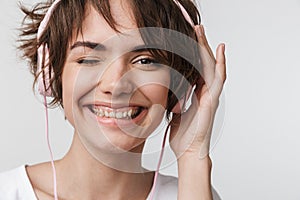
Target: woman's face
x=114 y=93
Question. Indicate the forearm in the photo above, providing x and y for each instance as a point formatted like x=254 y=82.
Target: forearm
x=194 y=178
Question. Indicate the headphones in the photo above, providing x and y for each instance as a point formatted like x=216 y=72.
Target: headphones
x=43 y=84
x=43 y=80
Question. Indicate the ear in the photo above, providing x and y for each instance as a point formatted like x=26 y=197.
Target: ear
x=178 y=108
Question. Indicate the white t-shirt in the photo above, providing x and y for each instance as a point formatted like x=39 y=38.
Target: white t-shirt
x=15 y=185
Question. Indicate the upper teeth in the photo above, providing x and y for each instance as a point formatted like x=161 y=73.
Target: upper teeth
x=114 y=114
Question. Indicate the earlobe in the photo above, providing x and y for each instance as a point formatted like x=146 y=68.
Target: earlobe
x=177 y=108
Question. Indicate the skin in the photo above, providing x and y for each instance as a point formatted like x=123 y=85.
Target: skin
x=194 y=164
x=99 y=181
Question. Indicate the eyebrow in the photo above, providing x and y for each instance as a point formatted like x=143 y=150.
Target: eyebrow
x=143 y=47
x=101 y=47
x=91 y=45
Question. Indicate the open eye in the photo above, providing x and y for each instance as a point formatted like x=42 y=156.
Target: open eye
x=146 y=63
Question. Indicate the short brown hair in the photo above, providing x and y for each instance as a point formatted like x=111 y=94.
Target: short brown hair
x=67 y=18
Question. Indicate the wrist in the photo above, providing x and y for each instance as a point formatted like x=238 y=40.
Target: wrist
x=194 y=177
x=194 y=162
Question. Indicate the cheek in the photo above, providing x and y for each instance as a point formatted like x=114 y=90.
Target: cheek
x=155 y=85
x=68 y=82
x=76 y=83
x=157 y=94
x=73 y=87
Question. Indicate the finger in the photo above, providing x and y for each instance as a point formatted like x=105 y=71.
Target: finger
x=216 y=88
x=200 y=32
x=205 y=40
x=206 y=57
x=220 y=73
x=221 y=63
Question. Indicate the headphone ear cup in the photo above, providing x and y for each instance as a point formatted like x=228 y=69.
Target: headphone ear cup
x=43 y=79
x=178 y=108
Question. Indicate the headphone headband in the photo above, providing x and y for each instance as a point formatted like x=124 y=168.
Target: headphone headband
x=184 y=13
x=45 y=21
x=44 y=79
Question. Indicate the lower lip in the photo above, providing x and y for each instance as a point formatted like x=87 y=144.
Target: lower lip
x=113 y=122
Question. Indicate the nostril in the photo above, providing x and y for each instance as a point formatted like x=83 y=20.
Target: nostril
x=116 y=87
x=117 y=78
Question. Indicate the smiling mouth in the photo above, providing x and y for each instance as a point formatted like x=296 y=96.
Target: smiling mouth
x=126 y=113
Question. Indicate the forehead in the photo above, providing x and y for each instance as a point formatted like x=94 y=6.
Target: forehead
x=121 y=11
x=96 y=28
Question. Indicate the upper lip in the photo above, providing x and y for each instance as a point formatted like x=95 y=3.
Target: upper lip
x=114 y=105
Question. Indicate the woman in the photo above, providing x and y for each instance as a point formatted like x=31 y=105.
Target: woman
x=116 y=68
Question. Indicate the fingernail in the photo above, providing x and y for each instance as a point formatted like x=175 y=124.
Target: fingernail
x=223 y=47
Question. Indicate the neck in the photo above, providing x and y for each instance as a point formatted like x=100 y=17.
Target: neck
x=80 y=174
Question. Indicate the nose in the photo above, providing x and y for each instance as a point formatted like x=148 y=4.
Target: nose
x=116 y=79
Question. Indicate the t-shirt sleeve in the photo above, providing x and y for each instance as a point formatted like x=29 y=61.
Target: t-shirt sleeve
x=15 y=185
x=215 y=194
x=167 y=187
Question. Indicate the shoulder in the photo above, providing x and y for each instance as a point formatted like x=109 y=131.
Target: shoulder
x=15 y=185
x=167 y=186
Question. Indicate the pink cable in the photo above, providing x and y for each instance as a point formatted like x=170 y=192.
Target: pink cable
x=158 y=165
x=40 y=30
x=190 y=21
x=50 y=151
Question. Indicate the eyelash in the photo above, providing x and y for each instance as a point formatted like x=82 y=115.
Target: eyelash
x=147 y=63
x=144 y=63
x=88 y=61
x=147 y=59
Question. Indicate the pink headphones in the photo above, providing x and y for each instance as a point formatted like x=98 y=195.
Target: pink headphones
x=45 y=90
x=43 y=51
x=44 y=78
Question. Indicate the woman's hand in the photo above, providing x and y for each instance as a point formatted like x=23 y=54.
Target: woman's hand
x=190 y=131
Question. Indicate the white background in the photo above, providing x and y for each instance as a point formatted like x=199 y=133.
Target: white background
x=257 y=156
